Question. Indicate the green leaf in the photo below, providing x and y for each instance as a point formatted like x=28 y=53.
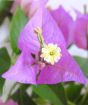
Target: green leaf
x=85 y=101
x=4 y=65
x=73 y=91
x=22 y=97
x=41 y=101
x=1 y=85
x=83 y=62
x=60 y=92
x=5 y=6
x=18 y=22
x=5 y=60
x=8 y=89
x=51 y=93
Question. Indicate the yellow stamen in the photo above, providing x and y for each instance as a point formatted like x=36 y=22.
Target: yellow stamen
x=38 y=31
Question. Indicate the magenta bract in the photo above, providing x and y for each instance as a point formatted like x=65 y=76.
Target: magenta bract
x=28 y=6
x=29 y=69
x=79 y=31
x=64 y=21
x=9 y=102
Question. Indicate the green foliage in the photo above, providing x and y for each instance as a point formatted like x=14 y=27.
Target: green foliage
x=4 y=60
x=73 y=91
x=5 y=6
x=17 y=24
x=51 y=93
x=83 y=62
x=4 y=64
x=59 y=90
x=22 y=97
x=8 y=85
x=85 y=102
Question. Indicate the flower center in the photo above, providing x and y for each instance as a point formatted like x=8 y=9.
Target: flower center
x=51 y=53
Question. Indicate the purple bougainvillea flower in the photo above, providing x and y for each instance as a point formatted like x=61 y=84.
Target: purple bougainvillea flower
x=28 y=6
x=79 y=31
x=9 y=102
x=44 y=59
x=64 y=21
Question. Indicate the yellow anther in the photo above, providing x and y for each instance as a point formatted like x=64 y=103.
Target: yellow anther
x=38 y=30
